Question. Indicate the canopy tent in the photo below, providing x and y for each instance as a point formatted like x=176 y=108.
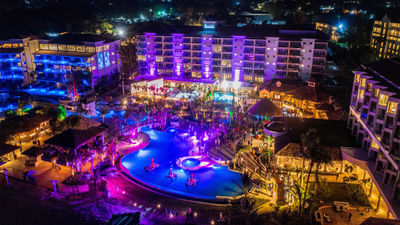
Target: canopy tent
x=265 y=107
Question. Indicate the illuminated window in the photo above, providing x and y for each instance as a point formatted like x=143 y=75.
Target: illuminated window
x=141 y=58
x=383 y=99
x=159 y=59
x=106 y=47
x=71 y=48
x=99 y=48
x=100 y=62
x=392 y=107
x=217 y=48
x=369 y=87
x=90 y=49
x=376 y=92
x=62 y=47
x=363 y=83
x=107 y=59
x=44 y=46
x=357 y=78
x=80 y=48
x=247 y=78
x=361 y=94
x=259 y=79
x=226 y=62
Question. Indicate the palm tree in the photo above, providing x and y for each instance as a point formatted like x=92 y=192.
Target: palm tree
x=103 y=111
x=317 y=155
x=104 y=170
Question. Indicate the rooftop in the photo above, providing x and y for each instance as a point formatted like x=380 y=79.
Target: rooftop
x=283 y=31
x=310 y=93
x=65 y=53
x=333 y=133
x=33 y=151
x=74 y=138
x=265 y=107
x=388 y=69
x=6 y=148
x=80 y=39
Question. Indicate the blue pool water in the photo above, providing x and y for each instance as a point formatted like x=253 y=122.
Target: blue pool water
x=165 y=148
x=190 y=163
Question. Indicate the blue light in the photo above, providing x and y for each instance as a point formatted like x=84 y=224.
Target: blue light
x=52 y=34
x=107 y=59
x=100 y=61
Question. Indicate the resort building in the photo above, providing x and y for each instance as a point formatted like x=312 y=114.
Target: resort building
x=328 y=29
x=70 y=58
x=233 y=54
x=385 y=38
x=296 y=100
x=81 y=61
x=374 y=120
x=347 y=165
x=15 y=63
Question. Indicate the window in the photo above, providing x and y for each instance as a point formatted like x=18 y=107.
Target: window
x=363 y=82
x=90 y=49
x=100 y=62
x=80 y=48
x=159 y=59
x=141 y=58
x=53 y=47
x=71 y=48
x=376 y=92
x=107 y=59
x=383 y=99
x=357 y=78
x=226 y=62
x=43 y=46
x=217 y=48
x=361 y=94
x=62 y=48
x=374 y=145
x=392 y=107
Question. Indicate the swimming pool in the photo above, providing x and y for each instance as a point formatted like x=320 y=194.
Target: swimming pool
x=165 y=148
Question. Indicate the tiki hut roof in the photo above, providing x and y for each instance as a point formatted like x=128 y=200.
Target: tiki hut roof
x=265 y=107
x=74 y=138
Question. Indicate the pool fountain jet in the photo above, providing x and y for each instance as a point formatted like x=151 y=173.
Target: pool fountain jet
x=171 y=174
x=152 y=166
x=191 y=181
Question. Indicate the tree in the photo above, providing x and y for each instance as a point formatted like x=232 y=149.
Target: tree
x=312 y=151
x=104 y=170
x=103 y=111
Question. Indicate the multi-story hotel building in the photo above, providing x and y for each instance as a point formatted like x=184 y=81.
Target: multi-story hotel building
x=232 y=54
x=374 y=119
x=61 y=60
x=328 y=29
x=385 y=38
x=15 y=60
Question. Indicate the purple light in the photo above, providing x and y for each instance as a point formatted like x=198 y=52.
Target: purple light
x=206 y=55
x=177 y=40
x=150 y=54
x=237 y=58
